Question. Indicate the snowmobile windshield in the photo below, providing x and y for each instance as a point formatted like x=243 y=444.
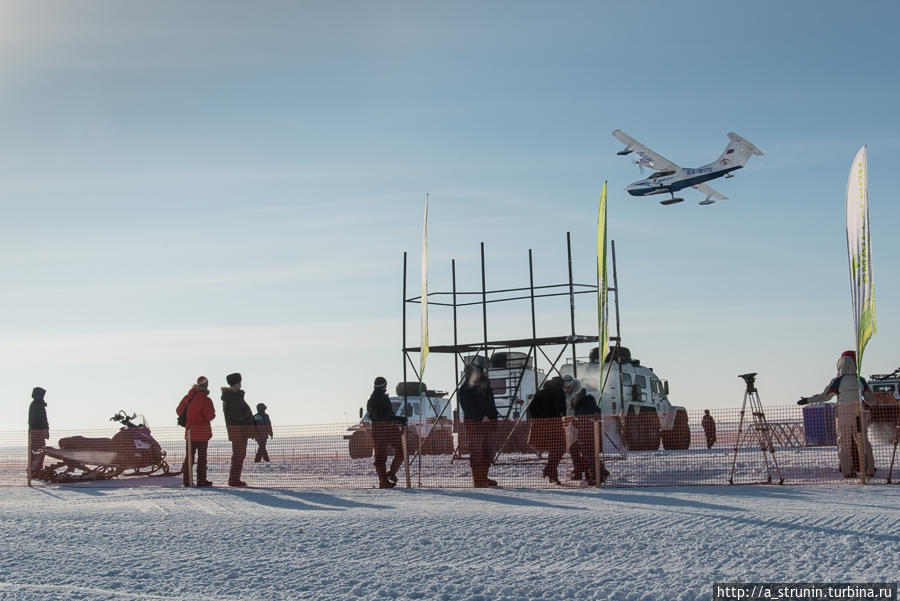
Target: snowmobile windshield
x=140 y=421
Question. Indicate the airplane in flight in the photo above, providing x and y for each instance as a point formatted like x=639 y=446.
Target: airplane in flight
x=670 y=178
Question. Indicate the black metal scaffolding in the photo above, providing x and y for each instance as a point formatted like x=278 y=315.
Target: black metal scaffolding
x=532 y=345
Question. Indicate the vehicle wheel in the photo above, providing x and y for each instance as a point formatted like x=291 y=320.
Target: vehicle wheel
x=361 y=445
x=679 y=437
x=650 y=429
x=631 y=430
x=412 y=441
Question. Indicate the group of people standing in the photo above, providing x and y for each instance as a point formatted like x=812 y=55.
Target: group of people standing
x=562 y=415
x=240 y=422
x=476 y=399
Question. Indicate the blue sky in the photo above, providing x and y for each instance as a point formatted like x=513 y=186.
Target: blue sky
x=199 y=189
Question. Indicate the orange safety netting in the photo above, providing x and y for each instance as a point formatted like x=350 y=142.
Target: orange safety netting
x=640 y=450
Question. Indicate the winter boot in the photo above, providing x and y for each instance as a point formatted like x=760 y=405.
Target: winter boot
x=392 y=476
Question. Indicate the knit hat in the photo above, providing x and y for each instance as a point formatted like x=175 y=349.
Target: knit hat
x=202 y=382
x=380 y=382
x=233 y=379
x=38 y=393
x=260 y=406
x=851 y=354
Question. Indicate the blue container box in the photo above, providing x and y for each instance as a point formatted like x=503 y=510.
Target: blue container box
x=818 y=424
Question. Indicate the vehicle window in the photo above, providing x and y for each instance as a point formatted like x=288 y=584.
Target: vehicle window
x=626 y=379
x=882 y=388
x=656 y=387
x=661 y=174
x=641 y=381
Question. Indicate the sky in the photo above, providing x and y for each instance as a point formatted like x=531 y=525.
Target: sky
x=200 y=188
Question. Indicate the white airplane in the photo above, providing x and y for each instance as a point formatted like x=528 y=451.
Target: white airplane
x=670 y=178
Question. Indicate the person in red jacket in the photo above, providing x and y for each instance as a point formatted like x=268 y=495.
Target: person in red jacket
x=200 y=412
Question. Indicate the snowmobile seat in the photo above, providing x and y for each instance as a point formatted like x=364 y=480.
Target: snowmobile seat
x=92 y=444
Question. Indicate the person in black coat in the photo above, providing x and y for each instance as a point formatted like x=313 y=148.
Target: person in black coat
x=240 y=424
x=480 y=419
x=709 y=428
x=262 y=433
x=545 y=413
x=386 y=434
x=586 y=412
x=38 y=429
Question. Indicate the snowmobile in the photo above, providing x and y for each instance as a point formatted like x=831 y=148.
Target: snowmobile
x=132 y=451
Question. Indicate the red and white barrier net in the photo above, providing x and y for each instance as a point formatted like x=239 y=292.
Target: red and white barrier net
x=636 y=451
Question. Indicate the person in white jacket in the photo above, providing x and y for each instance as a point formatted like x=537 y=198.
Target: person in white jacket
x=846 y=387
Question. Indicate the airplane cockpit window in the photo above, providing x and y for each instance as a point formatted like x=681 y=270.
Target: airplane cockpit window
x=661 y=174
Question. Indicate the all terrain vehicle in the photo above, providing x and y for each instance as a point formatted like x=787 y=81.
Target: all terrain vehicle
x=424 y=423
x=132 y=451
x=640 y=399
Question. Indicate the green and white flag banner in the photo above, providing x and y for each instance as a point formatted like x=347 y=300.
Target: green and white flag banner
x=859 y=251
x=602 y=284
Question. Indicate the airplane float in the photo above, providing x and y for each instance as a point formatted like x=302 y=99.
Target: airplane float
x=670 y=178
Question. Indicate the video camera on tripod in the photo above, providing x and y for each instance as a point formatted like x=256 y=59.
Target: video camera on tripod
x=750 y=380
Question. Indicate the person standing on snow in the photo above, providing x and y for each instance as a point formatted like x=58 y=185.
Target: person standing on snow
x=545 y=413
x=480 y=420
x=38 y=429
x=200 y=412
x=263 y=432
x=240 y=424
x=846 y=386
x=585 y=412
x=386 y=434
x=709 y=428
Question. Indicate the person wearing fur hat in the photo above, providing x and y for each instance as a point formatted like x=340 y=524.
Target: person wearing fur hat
x=38 y=428
x=240 y=424
x=847 y=386
x=200 y=412
x=262 y=433
x=386 y=434
x=476 y=399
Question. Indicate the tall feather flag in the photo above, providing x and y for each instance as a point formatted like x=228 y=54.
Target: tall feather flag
x=424 y=345
x=602 y=284
x=859 y=252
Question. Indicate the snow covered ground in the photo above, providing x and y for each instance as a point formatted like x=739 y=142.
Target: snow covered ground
x=84 y=542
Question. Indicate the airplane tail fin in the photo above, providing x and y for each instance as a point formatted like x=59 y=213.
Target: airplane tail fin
x=738 y=151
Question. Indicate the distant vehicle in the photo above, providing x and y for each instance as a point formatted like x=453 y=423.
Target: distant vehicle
x=639 y=398
x=886 y=412
x=670 y=178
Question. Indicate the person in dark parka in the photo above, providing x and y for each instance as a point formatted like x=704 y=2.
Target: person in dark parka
x=38 y=428
x=386 y=434
x=200 y=412
x=263 y=432
x=586 y=411
x=709 y=428
x=545 y=413
x=480 y=420
x=240 y=423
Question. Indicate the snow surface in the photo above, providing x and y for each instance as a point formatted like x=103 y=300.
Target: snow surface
x=85 y=542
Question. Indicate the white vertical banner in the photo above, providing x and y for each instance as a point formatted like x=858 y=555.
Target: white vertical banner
x=424 y=345
x=859 y=252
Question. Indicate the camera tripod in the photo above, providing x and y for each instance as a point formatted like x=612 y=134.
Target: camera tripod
x=758 y=431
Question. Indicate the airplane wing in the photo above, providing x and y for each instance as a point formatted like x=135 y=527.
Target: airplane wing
x=657 y=161
x=711 y=195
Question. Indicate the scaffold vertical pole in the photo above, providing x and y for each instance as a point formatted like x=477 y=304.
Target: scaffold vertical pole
x=572 y=305
x=405 y=394
x=533 y=319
